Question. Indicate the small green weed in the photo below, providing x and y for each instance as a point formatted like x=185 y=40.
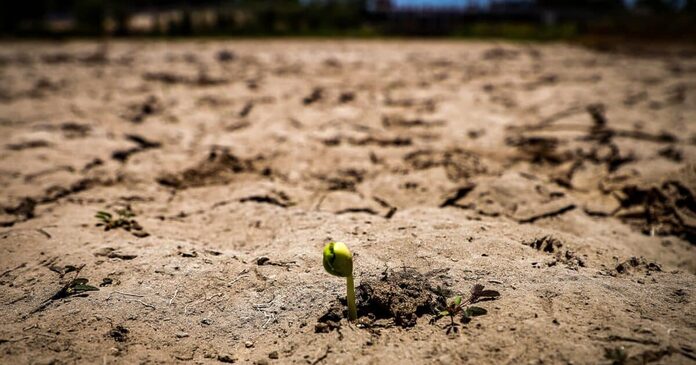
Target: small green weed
x=123 y=219
x=458 y=307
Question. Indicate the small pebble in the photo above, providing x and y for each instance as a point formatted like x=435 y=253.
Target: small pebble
x=227 y=358
x=273 y=355
x=181 y=334
x=248 y=344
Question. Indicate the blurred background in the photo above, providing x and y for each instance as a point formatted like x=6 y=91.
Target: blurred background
x=664 y=20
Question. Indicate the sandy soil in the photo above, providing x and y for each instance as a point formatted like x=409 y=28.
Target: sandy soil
x=560 y=177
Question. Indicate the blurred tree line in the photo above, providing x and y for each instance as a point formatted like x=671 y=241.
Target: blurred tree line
x=256 y=17
x=177 y=17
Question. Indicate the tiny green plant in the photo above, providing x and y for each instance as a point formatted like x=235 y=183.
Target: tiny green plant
x=108 y=221
x=338 y=260
x=124 y=219
x=76 y=287
x=463 y=308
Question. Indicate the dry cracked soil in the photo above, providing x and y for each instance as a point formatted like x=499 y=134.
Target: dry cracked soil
x=168 y=202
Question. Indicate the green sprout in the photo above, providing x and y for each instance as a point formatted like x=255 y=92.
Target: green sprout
x=125 y=220
x=339 y=261
x=456 y=306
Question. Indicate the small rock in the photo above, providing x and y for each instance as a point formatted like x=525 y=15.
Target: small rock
x=206 y=321
x=248 y=344
x=119 y=333
x=262 y=362
x=184 y=357
x=226 y=56
x=181 y=334
x=262 y=260
x=188 y=254
x=322 y=328
x=273 y=355
x=227 y=358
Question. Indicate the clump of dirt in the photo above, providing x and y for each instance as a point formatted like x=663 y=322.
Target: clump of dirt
x=521 y=197
x=218 y=168
x=498 y=53
x=119 y=333
x=28 y=145
x=547 y=244
x=316 y=95
x=171 y=78
x=666 y=209
x=343 y=179
x=458 y=164
x=552 y=245
x=142 y=144
x=398 y=121
x=24 y=210
x=637 y=264
x=225 y=55
x=137 y=113
x=538 y=149
x=671 y=153
x=400 y=296
x=385 y=140
x=72 y=130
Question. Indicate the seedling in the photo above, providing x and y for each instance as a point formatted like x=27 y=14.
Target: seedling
x=76 y=287
x=457 y=307
x=123 y=220
x=109 y=222
x=339 y=261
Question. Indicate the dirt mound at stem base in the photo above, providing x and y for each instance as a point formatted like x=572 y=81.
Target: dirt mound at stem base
x=400 y=296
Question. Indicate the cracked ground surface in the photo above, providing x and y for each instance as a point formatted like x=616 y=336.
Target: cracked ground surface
x=561 y=177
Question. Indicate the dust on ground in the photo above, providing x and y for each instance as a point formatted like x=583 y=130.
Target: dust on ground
x=168 y=202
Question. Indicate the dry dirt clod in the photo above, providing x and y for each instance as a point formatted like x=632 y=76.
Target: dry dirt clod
x=400 y=296
x=226 y=358
x=637 y=264
x=119 y=333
